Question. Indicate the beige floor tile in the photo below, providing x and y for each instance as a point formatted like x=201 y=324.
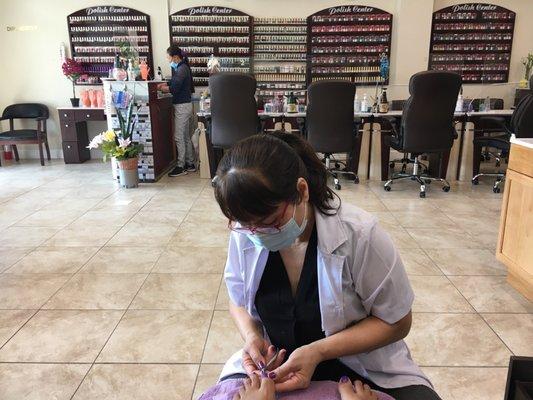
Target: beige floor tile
x=28 y=291
x=173 y=218
x=122 y=259
x=223 y=297
x=11 y=321
x=223 y=340
x=143 y=235
x=58 y=260
x=67 y=204
x=207 y=235
x=468 y=383
x=467 y=262
x=437 y=294
x=207 y=377
x=166 y=202
x=40 y=381
x=408 y=204
x=516 y=330
x=443 y=238
x=26 y=236
x=10 y=255
x=416 y=262
x=97 y=291
x=200 y=215
x=178 y=292
x=105 y=217
x=51 y=218
x=491 y=294
x=146 y=382
x=424 y=218
x=401 y=238
x=455 y=340
x=76 y=235
x=192 y=260
x=61 y=336
x=149 y=336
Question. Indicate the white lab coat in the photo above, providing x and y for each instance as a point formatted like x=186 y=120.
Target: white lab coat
x=360 y=273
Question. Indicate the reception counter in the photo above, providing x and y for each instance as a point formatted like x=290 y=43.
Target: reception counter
x=515 y=241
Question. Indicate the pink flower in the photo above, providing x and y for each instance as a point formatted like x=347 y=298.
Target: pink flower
x=124 y=142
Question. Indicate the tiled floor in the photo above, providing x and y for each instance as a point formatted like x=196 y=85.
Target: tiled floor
x=117 y=294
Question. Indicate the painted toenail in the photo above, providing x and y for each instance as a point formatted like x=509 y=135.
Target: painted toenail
x=345 y=379
x=272 y=375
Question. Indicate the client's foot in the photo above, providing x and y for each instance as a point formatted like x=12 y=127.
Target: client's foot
x=357 y=391
x=256 y=388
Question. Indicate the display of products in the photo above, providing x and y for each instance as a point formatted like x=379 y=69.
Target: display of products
x=473 y=39
x=347 y=42
x=98 y=33
x=284 y=42
x=210 y=30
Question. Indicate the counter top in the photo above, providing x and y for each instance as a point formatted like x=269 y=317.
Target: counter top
x=80 y=108
x=525 y=142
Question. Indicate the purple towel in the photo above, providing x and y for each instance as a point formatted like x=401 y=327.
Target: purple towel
x=325 y=390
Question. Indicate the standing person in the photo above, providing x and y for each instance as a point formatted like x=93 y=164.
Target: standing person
x=319 y=281
x=181 y=86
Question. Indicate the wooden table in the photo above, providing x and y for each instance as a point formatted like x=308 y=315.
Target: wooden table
x=515 y=240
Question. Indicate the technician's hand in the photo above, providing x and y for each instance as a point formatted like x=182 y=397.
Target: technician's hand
x=257 y=352
x=297 y=372
x=162 y=87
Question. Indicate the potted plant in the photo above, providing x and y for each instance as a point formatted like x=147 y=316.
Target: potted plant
x=120 y=146
x=72 y=70
x=527 y=62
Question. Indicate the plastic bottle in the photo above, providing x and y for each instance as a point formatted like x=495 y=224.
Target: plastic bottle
x=487 y=103
x=459 y=104
x=364 y=103
x=356 y=104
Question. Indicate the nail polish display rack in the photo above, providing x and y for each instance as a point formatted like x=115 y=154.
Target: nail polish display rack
x=221 y=31
x=473 y=39
x=346 y=42
x=280 y=47
x=96 y=32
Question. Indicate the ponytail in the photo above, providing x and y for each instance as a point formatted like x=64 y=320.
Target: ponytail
x=260 y=172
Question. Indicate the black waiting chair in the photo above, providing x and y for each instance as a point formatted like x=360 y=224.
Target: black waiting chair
x=36 y=111
x=489 y=126
x=427 y=124
x=521 y=125
x=233 y=108
x=330 y=126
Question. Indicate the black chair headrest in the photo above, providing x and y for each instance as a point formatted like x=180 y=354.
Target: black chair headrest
x=26 y=110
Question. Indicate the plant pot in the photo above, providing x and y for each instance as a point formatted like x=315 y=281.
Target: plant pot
x=75 y=101
x=128 y=173
x=114 y=168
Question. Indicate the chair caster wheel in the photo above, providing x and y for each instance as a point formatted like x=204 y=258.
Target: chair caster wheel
x=497 y=164
x=391 y=165
x=337 y=186
x=475 y=181
x=337 y=166
x=496 y=190
x=446 y=189
x=428 y=181
x=356 y=180
x=387 y=188
x=422 y=194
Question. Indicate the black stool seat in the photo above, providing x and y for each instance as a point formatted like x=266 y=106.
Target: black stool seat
x=19 y=134
x=499 y=142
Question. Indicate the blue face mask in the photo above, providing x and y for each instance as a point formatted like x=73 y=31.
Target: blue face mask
x=173 y=64
x=284 y=238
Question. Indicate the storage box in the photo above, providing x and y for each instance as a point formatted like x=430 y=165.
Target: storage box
x=520 y=379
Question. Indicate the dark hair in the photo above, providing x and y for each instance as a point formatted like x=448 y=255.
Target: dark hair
x=175 y=50
x=260 y=172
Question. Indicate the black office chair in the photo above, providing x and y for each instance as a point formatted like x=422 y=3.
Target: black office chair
x=233 y=108
x=36 y=111
x=330 y=126
x=489 y=126
x=521 y=125
x=427 y=124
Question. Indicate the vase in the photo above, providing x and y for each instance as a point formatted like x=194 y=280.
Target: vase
x=128 y=173
x=75 y=101
x=114 y=168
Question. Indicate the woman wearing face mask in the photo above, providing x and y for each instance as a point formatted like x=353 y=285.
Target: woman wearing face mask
x=181 y=86
x=320 y=281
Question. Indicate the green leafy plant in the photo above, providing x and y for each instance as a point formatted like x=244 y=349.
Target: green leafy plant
x=527 y=62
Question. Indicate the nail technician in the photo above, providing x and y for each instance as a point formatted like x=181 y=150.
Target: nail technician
x=312 y=280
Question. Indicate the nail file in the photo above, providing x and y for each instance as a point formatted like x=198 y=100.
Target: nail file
x=269 y=363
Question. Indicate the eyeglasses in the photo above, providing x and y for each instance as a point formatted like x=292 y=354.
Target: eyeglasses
x=252 y=230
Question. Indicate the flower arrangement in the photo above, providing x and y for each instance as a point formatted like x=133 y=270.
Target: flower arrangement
x=119 y=145
x=72 y=70
x=527 y=62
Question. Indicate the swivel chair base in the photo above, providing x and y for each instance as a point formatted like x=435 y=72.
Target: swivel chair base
x=334 y=172
x=422 y=179
x=500 y=177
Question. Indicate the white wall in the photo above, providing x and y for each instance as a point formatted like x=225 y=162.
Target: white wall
x=30 y=66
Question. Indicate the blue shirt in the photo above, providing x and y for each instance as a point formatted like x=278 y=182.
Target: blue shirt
x=180 y=84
